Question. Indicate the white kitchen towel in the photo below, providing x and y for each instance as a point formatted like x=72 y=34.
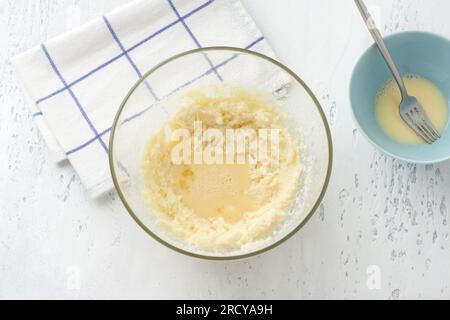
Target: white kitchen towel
x=78 y=80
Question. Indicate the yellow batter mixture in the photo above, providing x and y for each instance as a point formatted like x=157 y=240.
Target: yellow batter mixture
x=429 y=96
x=222 y=206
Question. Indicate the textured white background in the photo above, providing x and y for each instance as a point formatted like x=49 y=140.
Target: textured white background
x=377 y=211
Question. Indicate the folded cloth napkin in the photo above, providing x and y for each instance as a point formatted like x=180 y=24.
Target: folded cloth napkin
x=78 y=80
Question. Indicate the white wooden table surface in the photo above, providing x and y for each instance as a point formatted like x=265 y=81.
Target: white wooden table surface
x=380 y=215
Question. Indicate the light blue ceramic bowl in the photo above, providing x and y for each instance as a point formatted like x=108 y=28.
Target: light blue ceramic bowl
x=420 y=53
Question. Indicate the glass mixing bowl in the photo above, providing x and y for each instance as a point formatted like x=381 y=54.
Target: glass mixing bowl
x=143 y=113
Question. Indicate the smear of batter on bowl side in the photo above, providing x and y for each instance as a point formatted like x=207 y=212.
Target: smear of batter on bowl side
x=227 y=205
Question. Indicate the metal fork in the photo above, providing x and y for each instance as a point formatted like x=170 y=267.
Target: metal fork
x=411 y=110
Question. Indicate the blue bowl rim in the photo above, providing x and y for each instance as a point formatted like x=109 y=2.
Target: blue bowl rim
x=361 y=129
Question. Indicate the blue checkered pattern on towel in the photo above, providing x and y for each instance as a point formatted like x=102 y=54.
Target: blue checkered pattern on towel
x=78 y=80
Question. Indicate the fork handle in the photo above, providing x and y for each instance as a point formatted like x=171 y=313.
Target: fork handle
x=376 y=35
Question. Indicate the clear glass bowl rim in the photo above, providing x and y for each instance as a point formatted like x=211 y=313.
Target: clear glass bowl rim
x=238 y=51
